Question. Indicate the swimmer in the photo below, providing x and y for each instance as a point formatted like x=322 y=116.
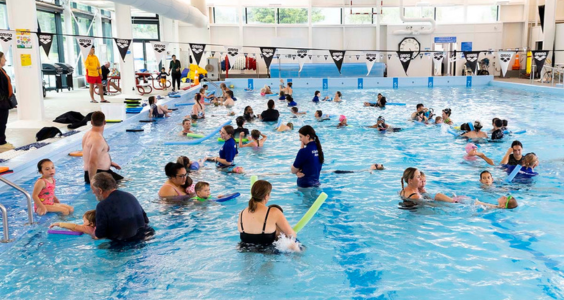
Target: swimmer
x=316 y=97
x=486 y=178
x=248 y=114
x=174 y=186
x=88 y=224
x=282 y=95
x=504 y=202
x=439 y=120
x=287 y=90
x=206 y=96
x=296 y=112
x=412 y=177
x=191 y=165
x=419 y=115
x=497 y=132
x=157 y=111
x=285 y=127
x=226 y=159
x=477 y=133
x=186 y=127
x=255 y=141
x=337 y=97
x=270 y=114
x=382 y=126
x=320 y=117
x=373 y=167
x=342 y=121
x=504 y=124
x=381 y=102
x=291 y=102
x=198 y=110
x=378 y=167
x=44 y=191
x=265 y=90
x=530 y=161
x=228 y=102
x=446 y=116
x=240 y=129
x=493 y=123
x=203 y=192
x=472 y=152
x=201 y=96
x=513 y=156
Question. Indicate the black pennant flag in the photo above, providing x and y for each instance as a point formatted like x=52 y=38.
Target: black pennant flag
x=197 y=51
x=267 y=55
x=405 y=58
x=123 y=46
x=45 y=41
x=540 y=57
x=472 y=59
x=338 y=57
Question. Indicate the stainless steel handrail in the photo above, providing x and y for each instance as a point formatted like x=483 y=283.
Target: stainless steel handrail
x=5 y=225
x=26 y=194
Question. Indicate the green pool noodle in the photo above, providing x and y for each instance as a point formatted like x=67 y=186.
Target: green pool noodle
x=195 y=135
x=236 y=139
x=254 y=178
x=311 y=212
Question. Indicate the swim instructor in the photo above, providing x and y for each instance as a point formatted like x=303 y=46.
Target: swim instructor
x=309 y=160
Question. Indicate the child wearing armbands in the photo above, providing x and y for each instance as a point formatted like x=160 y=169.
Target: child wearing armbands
x=88 y=226
x=203 y=192
x=44 y=191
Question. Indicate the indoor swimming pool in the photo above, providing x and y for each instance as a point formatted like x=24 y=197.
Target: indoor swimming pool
x=359 y=245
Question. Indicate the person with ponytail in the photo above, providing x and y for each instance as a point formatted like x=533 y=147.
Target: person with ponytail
x=309 y=160
x=260 y=224
x=410 y=193
x=198 y=110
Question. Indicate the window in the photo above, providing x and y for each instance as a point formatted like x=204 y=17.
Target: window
x=292 y=16
x=365 y=16
x=225 y=15
x=390 y=15
x=47 y=23
x=146 y=31
x=450 y=14
x=108 y=42
x=482 y=14
x=261 y=15
x=3 y=16
x=326 y=16
x=420 y=12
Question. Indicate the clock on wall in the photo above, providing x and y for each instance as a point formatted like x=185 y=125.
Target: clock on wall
x=410 y=44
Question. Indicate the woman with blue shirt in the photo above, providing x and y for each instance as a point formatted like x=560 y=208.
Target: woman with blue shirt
x=226 y=159
x=309 y=160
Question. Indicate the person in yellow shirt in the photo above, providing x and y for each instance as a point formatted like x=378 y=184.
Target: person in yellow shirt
x=93 y=72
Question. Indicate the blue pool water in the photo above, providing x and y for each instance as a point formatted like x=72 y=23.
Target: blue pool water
x=359 y=245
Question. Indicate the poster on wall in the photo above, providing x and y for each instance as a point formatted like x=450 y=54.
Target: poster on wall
x=405 y=59
x=23 y=39
x=540 y=57
x=370 y=58
x=232 y=52
x=472 y=59
x=302 y=56
x=45 y=41
x=160 y=50
x=504 y=59
x=197 y=51
x=123 y=45
x=338 y=57
x=85 y=43
x=25 y=60
x=267 y=55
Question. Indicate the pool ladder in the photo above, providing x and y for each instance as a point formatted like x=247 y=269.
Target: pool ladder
x=6 y=238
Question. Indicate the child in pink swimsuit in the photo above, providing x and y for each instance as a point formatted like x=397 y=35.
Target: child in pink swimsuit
x=44 y=191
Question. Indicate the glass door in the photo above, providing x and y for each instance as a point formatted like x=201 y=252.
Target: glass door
x=139 y=56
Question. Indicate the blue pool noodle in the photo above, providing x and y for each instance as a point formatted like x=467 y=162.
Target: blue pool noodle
x=197 y=141
x=513 y=174
x=451 y=131
x=279 y=122
x=184 y=104
x=471 y=126
x=227 y=197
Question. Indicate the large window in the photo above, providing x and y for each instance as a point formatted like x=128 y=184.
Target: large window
x=292 y=15
x=450 y=14
x=225 y=15
x=326 y=16
x=390 y=15
x=108 y=42
x=47 y=23
x=358 y=16
x=3 y=16
x=261 y=15
x=481 y=14
x=146 y=31
x=420 y=12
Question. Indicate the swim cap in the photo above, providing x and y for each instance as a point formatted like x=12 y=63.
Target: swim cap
x=380 y=118
x=470 y=147
x=342 y=118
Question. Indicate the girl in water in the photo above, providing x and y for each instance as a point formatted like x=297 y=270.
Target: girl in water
x=472 y=153
x=255 y=142
x=88 y=226
x=285 y=127
x=504 y=202
x=320 y=117
x=249 y=114
x=337 y=97
x=198 y=110
x=342 y=121
x=44 y=191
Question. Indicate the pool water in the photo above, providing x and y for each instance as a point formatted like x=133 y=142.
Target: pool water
x=359 y=245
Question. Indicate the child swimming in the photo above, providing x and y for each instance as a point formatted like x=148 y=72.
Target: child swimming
x=472 y=153
x=296 y=112
x=186 y=127
x=439 y=120
x=88 y=226
x=255 y=141
x=240 y=129
x=291 y=102
x=285 y=127
x=203 y=192
x=342 y=121
x=44 y=191
x=337 y=97
x=316 y=97
x=320 y=117
x=486 y=178
x=503 y=202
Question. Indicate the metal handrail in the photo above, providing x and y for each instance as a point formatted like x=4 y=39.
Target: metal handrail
x=211 y=82
x=26 y=194
x=5 y=222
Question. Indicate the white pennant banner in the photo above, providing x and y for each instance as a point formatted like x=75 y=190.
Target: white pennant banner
x=6 y=39
x=370 y=58
x=85 y=43
x=302 y=56
x=232 y=52
x=160 y=50
x=504 y=60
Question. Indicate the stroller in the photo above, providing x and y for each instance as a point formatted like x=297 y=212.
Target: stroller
x=484 y=65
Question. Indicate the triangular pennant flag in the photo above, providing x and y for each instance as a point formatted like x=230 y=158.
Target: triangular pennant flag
x=267 y=55
x=504 y=59
x=213 y=53
x=405 y=58
x=232 y=52
x=160 y=50
x=438 y=57
x=197 y=51
x=370 y=58
x=472 y=59
x=85 y=44
x=302 y=54
x=389 y=56
x=357 y=57
x=45 y=41
x=293 y=57
x=123 y=46
x=310 y=56
x=540 y=56
x=6 y=40
x=338 y=57
x=326 y=56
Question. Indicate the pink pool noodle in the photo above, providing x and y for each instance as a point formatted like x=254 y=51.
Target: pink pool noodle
x=67 y=232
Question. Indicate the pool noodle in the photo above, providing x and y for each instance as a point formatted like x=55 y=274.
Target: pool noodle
x=254 y=179
x=174 y=96
x=195 y=135
x=193 y=142
x=451 y=131
x=227 y=197
x=516 y=132
x=471 y=126
x=183 y=104
x=311 y=212
x=513 y=174
x=279 y=122
x=236 y=139
x=67 y=232
x=270 y=94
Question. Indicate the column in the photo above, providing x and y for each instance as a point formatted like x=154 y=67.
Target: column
x=70 y=58
x=549 y=26
x=101 y=49
x=122 y=28
x=29 y=83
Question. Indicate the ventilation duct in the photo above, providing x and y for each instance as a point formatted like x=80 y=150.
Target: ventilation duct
x=411 y=30
x=172 y=9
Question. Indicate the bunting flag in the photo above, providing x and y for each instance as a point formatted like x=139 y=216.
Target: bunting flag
x=338 y=57
x=438 y=57
x=370 y=58
x=504 y=59
x=472 y=59
x=45 y=41
x=453 y=57
x=540 y=57
x=310 y=56
x=123 y=46
x=302 y=54
x=232 y=52
x=389 y=56
x=213 y=53
x=267 y=55
x=405 y=58
x=6 y=40
x=85 y=43
x=197 y=51
x=160 y=50
x=357 y=57
x=326 y=56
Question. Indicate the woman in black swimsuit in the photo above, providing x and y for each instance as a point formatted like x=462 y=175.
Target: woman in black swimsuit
x=260 y=224
x=410 y=193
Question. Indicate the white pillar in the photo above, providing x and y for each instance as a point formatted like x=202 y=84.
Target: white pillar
x=70 y=58
x=121 y=25
x=549 y=25
x=98 y=31
x=23 y=15
x=378 y=10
